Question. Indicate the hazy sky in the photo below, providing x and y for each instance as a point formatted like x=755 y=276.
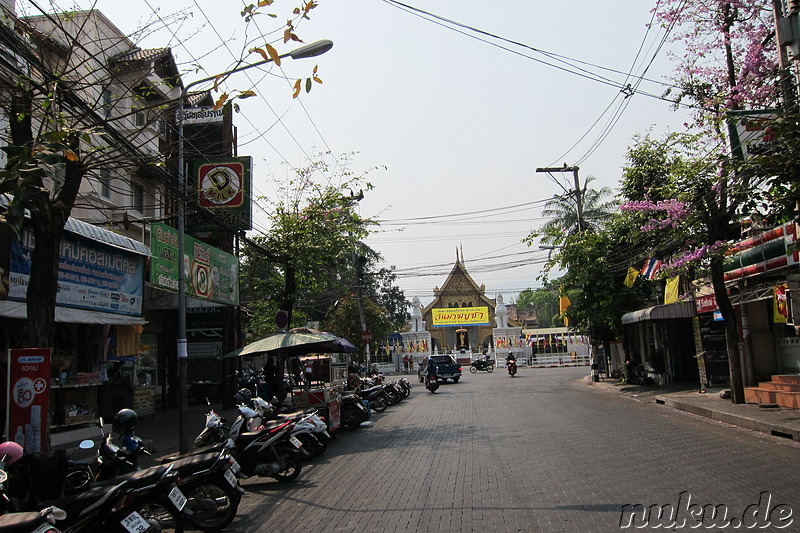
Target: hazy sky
x=460 y=119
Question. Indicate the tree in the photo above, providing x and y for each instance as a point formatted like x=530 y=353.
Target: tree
x=726 y=66
x=314 y=237
x=343 y=319
x=563 y=209
x=543 y=300
x=60 y=134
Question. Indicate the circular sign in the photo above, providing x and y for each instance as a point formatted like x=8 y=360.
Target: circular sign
x=23 y=392
x=282 y=319
x=220 y=185
x=39 y=385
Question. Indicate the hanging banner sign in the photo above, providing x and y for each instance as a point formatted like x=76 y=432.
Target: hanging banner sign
x=28 y=398
x=460 y=316
x=91 y=275
x=780 y=310
x=211 y=274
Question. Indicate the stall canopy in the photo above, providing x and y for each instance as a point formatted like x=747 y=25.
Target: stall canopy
x=660 y=312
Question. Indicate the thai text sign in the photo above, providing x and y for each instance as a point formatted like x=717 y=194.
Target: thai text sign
x=211 y=274
x=91 y=275
x=28 y=397
x=460 y=316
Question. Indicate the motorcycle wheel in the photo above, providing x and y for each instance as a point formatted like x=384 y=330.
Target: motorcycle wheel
x=407 y=391
x=224 y=501
x=378 y=403
x=310 y=446
x=322 y=443
x=161 y=516
x=490 y=368
x=290 y=463
x=393 y=395
x=473 y=369
x=350 y=419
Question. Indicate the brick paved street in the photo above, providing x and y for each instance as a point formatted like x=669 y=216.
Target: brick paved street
x=539 y=452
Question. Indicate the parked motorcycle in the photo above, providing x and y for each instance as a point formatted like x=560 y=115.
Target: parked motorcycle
x=483 y=365
x=32 y=522
x=353 y=412
x=269 y=452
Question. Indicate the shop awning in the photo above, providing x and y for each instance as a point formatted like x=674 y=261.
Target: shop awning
x=660 y=312
x=10 y=309
x=95 y=233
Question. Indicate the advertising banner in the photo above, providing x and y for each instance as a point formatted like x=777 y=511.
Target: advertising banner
x=211 y=274
x=91 y=275
x=461 y=316
x=27 y=418
x=224 y=187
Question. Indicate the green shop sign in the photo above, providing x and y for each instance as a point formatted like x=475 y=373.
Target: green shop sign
x=211 y=274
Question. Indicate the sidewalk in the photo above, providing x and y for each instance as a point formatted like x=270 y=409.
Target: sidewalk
x=776 y=421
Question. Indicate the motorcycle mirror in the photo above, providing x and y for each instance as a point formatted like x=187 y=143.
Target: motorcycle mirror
x=100 y=422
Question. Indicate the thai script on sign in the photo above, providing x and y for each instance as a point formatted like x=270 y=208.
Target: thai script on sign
x=462 y=316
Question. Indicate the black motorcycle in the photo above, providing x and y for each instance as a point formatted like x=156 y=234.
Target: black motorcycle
x=482 y=364
x=431 y=382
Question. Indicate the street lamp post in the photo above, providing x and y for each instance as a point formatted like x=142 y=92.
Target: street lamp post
x=309 y=50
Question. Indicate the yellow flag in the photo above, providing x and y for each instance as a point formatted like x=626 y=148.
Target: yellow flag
x=630 y=279
x=671 y=290
x=563 y=304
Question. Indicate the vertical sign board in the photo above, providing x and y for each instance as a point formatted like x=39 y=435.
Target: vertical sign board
x=28 y=398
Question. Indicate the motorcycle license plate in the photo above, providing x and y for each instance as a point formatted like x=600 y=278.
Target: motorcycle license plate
x=231 y=477
x=177 y=498
x=134 y=523
x=235 y=467
x=296 y=442
x=44 y=528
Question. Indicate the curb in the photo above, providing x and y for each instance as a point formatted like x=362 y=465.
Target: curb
x=775 y=430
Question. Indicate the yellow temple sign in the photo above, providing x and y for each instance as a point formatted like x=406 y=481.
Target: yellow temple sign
x=460 y=316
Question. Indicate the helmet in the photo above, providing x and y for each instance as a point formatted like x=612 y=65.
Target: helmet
x=124 y=421
x=11 y=451
x=243 y=395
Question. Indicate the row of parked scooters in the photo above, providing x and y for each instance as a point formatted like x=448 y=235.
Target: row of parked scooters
x=51 y=493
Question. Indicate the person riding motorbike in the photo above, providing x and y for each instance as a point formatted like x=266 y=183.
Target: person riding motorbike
x=511 y=364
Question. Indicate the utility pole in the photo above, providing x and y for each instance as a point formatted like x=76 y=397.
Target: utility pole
x=577 y=192
x=786 y=31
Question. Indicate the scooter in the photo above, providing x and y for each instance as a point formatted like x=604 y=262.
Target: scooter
x=512 y=368
x=32 y=522
x=269 y=452
x=482 y=364
x=431 y=382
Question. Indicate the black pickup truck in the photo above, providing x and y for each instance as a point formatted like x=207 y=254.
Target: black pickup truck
x=446 y=368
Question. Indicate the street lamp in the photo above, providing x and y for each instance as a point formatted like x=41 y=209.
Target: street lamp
x=309 y=50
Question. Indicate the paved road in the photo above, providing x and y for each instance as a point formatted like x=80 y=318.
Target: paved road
x=539 y=452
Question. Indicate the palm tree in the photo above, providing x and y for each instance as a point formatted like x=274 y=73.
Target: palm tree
x=563 y=211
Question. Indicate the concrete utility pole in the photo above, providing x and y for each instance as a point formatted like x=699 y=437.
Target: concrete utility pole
x=577 y=192
x=786 y=27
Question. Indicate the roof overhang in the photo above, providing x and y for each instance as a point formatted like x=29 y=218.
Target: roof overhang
x=661 y=312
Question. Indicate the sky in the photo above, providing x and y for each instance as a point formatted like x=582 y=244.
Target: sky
x=447 y=107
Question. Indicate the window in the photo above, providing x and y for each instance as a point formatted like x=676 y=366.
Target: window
x=106 y=102
x=137 y=196
x=105 y=183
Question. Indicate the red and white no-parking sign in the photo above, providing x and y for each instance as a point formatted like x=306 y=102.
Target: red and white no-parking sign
x=28 y=397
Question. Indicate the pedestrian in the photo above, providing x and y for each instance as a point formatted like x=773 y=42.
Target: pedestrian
x=297 y=370
x=405 y=364
x=411 y=363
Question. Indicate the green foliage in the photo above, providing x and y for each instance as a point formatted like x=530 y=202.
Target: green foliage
x=343 y=319
x=543 y=300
